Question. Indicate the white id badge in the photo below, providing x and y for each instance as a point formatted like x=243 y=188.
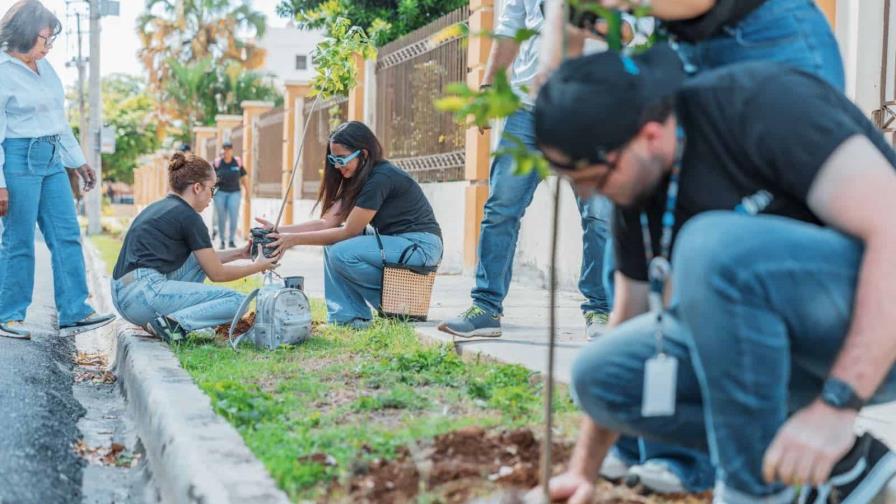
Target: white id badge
x=660 y=376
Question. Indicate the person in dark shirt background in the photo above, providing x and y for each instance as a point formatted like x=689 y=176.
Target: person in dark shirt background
x=764 y=186
x=159 y=279
x=231 y=176
x=359 y=187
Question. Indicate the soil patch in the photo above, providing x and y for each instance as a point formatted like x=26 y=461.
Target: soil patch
x=457 y=466
x=242 y=326
x=468 y=463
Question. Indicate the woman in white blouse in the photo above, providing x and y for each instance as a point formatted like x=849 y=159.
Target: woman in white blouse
x=36 y=144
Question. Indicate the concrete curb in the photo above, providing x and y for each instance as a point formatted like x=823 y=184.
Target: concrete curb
x=195 y=456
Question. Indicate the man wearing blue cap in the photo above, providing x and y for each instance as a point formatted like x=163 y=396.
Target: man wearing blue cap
x=754 y=271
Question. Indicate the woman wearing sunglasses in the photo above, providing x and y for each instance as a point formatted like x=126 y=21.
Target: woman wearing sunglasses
x=159 y=279
x=359 y=187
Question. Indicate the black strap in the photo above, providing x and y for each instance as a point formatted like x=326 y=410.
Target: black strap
x=405 y=254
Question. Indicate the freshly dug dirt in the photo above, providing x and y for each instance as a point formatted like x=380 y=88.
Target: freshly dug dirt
x=471 y=463
x=457 y=466
x=244 y=325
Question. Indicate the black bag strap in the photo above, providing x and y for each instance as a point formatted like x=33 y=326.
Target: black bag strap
x=405 y=254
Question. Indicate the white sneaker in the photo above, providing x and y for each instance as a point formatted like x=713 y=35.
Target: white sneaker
x=613 y=468
x=657 y=477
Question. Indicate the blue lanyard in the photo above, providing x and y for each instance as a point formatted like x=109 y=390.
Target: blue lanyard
x=659 y=268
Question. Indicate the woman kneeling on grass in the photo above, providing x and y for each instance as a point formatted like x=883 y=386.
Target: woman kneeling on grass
x=359 y=187
x=167 y=254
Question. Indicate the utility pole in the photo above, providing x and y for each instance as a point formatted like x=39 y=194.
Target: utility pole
x=82 y=73
x=92 y=148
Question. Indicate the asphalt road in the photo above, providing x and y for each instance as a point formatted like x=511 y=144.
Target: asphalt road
x=38 y=413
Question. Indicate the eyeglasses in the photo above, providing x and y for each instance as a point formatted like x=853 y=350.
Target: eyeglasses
x=48 y=41
x=344 y=160
x=213 y=189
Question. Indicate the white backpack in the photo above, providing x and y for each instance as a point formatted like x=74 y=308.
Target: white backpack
x=282 y=315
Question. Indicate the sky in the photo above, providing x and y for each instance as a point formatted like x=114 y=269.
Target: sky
x=119 y=44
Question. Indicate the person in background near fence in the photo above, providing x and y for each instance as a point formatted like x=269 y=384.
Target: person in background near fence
x=231 y=175
x=510 y=194
x=359 y=187
x=768 y=347
x=158 y=280
x=36 y=143
x=710 y=34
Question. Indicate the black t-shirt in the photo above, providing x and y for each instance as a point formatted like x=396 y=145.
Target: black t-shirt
x=162 y=237
x=757 y=135
x=724 y=13
x=401 y=206
x=229 y=175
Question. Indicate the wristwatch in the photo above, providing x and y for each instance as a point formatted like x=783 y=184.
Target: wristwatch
x=840 y=395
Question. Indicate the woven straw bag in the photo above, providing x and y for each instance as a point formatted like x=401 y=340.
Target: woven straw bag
x=407 y=290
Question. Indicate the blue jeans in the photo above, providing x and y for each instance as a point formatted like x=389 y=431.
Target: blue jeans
x=39 y=192
x=182 y=295
x=509 y=196
x=353 y=271
x=227 y=213
x=793 y=32
x=755 y=325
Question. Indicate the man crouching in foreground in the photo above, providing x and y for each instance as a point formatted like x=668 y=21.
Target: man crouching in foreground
x=753 y=220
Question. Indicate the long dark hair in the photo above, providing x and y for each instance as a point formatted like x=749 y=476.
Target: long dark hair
x=354 y=135
x=22 y=24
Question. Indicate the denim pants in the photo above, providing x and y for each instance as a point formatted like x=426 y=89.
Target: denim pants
x=144 y=294
x=509 y=196
x=227 y=213
x=353 y=271
x=793 y=32
x=755 y=324
x=39 y=192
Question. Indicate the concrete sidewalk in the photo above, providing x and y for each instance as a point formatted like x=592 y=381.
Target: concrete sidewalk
x=525 y=325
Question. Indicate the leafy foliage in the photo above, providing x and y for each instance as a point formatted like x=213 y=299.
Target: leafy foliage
x=188 y=46
x=334 y=58
x=131 y=111
x=384 y=21
x=200 y=92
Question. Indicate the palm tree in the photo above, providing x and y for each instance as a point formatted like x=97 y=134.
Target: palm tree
x=182 y=39
x=191 y=30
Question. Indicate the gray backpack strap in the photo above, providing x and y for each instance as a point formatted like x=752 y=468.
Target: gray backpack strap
x=237 y=317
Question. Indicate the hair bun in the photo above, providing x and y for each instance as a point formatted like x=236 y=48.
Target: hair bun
x=178 y=161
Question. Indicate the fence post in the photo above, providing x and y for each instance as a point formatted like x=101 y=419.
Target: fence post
x=370 y=94
x=251 y=111
x=225 y=124
x=477 y=149
x=201 y=136
x=293 y=122
x=829 y=7
x=356 y=95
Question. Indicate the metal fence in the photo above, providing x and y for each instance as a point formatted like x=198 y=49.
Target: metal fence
x=410 y=73
x=885 y=116
x=325 y=116
x=268 y=166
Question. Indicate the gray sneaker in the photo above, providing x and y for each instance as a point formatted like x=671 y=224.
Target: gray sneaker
x=14 y=329
x=595 y=323
x=475 y=322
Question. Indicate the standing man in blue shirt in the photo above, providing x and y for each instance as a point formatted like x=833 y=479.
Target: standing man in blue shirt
x=36 y=143
x=511 y=194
